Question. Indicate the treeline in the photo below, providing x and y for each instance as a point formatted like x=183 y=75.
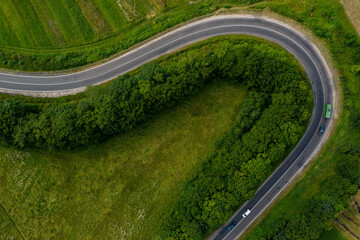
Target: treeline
x=317 y=213
x=270 y=123
x=133 y=98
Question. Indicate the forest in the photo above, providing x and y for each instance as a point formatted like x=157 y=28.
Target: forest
x=132 y=98
x=269 y=124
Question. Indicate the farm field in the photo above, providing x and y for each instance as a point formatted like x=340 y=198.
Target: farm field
x=63 y=34
x=63 y=23
x=348 y=223
x=119 y=189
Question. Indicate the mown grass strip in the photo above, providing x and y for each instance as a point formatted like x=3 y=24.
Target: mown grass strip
x=29 y=17
x=66 y=22
x=79 y=20
x=113 y=14
x=7 y=35
x=16 y=21
x=94 y=17
x=48 y=20
x=145 y=7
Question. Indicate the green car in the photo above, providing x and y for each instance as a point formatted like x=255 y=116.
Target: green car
x=327 y=112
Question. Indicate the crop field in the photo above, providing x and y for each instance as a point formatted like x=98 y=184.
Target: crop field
x=348 y=221
x=58 y=23
x=119 y=189
x=61 y=34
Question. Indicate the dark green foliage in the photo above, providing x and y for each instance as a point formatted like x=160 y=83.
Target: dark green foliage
x=318 y=211
x=355 y=69
x=10 y=111
x=328 y=20
x=269 y=124
x=271 y=121
x=133 y=98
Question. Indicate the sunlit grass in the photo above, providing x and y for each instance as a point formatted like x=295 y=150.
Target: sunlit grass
x=121 y=188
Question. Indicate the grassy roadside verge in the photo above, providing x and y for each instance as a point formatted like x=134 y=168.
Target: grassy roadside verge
x=121 y=188
x=183 y=51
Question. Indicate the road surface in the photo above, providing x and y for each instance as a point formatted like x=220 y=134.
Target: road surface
x=289 y=38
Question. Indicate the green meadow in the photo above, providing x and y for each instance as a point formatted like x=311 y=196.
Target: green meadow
x=119 y=189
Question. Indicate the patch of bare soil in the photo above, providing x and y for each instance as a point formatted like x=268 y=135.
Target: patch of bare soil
x=129 y=9
x=94 y=17
x=352 y=8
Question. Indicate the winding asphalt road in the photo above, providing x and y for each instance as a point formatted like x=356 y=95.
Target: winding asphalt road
x=289 y=38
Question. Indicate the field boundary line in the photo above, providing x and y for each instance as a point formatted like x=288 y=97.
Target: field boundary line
x=16 y=227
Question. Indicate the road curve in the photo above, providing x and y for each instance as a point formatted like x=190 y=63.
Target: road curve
x=289 y=38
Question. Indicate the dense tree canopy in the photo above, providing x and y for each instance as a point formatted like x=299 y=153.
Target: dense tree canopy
x=132 y=98
x=269 y=124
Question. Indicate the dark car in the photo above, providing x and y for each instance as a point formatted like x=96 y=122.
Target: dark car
x=232 y=225
x=322 y=129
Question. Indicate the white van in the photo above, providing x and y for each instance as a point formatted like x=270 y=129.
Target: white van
x=246 y=213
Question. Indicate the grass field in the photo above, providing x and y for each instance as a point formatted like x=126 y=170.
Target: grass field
x=8 y=230
x=58 y=23
x=119 y=189
x=333 y=235
x=63 y=34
